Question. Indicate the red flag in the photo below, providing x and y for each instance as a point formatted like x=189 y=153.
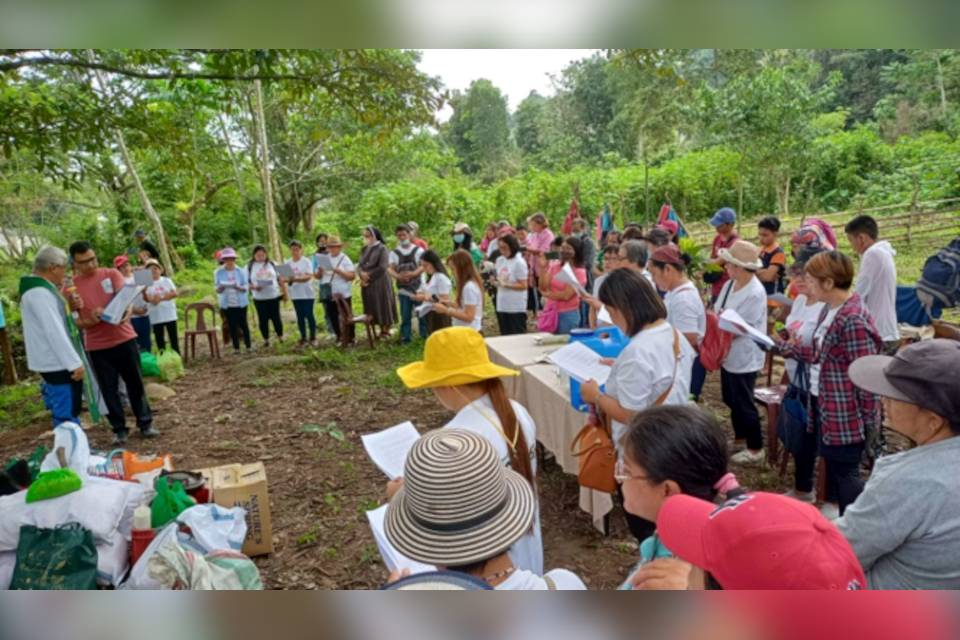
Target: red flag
x=572 y=213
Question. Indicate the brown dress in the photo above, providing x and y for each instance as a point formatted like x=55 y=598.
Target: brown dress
x=378 y=299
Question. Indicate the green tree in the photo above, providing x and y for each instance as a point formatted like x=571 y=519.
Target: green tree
x=479 y=130
x=526 y=123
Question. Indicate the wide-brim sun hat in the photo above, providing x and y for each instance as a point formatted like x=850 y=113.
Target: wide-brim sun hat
x=334 y=241
x=438 y=581
x=458 y=504
x=153 y=263
x=228 y=253
x=742 y=254
x=452 y=357
x=461 y=227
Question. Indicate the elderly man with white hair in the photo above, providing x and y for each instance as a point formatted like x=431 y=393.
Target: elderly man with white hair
x=54 y=349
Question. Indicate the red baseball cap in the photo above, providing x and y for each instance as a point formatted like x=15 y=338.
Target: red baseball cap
x=760 y=541
x=119 y=261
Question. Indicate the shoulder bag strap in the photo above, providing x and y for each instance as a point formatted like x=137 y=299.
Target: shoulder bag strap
x=551 y=585
x=723 y=305
x=676 y=365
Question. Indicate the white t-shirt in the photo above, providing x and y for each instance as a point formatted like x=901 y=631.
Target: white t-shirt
x=877 y=285
x=801 y=322
x=264 y=275
x=644 y=370
x=138 y=304
x=818 y=336
x=472 y=296
x=165 y=311
x=438 y=285
x=479 y=417
x=598 y=283
x=338 y=284
x=562 y=579
x=301 y=290
x=512 y=271
x=751 y=303
x=685 y=310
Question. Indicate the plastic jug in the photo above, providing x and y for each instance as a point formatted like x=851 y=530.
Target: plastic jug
x=608 y=342
x=142 y=534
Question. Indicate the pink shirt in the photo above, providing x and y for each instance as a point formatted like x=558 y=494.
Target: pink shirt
x=96 y=290
x=556 y=286
x=538 y=241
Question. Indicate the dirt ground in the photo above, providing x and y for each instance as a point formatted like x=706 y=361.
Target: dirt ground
x=303 y=417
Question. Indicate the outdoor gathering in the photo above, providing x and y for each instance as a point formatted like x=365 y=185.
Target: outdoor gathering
x=520 y=320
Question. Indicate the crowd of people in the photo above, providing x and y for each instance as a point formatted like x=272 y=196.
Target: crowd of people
x=468 y=500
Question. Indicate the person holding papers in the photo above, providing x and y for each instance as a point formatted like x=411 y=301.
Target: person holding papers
x=555 y=283
x=163 y=310
x=462 y=510
x=685 y=310
x=457 y=367
x=341 y=276
x=112 y=347
x=267 y=291
x=436 y=290
x=512 y=272
x=301 y=292
x=653 y=369
x=232 y=284
x=743 y=293
x=840 y=414
x=140 y=318
x=467 y=309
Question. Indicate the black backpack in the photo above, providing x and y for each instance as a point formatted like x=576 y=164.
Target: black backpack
x=939 y=284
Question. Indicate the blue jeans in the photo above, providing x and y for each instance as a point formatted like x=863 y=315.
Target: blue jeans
x=568 y=321
x=304 y=309
x=406 y=320
x=584 y=315
x=63 y=401
x=697 y=379
x=141 y=324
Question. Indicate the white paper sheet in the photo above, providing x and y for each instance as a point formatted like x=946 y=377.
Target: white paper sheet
x=733 y=322
x=603 y=316
x=285 y=271
x=142 y=277
x=568 y=276
x=113 y=314
x=323 y=262
x=391 y=557
x=580 y=363
x=388 y=448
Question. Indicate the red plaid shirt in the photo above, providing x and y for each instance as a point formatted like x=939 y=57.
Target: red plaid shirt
x=846 y=411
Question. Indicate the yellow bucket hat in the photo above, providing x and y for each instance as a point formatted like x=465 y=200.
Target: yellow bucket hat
x=452 y=357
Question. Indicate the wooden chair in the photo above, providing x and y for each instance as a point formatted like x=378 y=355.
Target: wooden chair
x=770 y=398
x=200 y=328
x=349 y=322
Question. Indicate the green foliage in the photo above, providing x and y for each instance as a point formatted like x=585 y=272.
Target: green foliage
x=479 y=130
x=19 y=405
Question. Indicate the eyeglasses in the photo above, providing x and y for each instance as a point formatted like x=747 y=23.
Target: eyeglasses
x=620 y=473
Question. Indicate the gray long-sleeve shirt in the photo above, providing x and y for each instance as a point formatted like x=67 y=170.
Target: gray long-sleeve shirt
x=905 y=526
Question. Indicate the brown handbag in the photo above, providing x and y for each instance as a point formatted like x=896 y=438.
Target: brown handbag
x=596 y=452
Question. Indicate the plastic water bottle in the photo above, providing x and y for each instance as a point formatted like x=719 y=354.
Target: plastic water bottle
x=142 y=534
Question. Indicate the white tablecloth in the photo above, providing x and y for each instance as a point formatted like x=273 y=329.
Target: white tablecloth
x=547 y=397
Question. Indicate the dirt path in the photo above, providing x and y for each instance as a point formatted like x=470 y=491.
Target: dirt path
x=304 y=421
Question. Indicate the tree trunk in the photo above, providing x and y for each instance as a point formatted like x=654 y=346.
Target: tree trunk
x=272 y=237
x=162 y=244
x=239 y=177
x=943 y=92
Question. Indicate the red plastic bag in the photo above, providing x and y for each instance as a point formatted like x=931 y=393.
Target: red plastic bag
x=716 y=343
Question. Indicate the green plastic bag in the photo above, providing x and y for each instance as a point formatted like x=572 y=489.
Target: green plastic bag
x=148 y=365
x=169 y=502
x=170 y=365
x=60 y=558
x=53 y=484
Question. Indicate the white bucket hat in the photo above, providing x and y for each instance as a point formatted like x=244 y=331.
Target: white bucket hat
x=742 y=254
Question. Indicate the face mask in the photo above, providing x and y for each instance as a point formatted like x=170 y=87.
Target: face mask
x=458 y=238
x=405 y=243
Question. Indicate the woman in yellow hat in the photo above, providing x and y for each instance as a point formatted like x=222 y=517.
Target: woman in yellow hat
x=457 y=368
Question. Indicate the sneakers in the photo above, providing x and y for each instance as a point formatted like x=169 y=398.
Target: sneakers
x=830 y=511
x=119 y=439
x=150 y=432
x=747 y=457
x=809 y=497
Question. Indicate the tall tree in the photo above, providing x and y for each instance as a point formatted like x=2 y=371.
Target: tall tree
x=526 y=123
x=479 y=129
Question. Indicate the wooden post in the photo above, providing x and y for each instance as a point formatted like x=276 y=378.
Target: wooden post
x=271 y=216
x=913 y=208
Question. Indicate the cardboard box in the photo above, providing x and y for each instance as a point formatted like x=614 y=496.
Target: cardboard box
x=245 y=485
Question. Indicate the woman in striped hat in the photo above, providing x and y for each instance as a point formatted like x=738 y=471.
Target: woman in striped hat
x=457 y=367
x=460 y=509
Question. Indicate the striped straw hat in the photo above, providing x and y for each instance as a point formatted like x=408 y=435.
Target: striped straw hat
x=458 y=504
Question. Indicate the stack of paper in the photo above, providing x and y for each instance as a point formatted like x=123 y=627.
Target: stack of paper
x=284 y=271
x=733 y=322
x=142 y=277
x=603 y=316
x=580 y=363
x=394 y=560
x=117 y=307
x=389 y=448
x=324 y=262
x=567 y=276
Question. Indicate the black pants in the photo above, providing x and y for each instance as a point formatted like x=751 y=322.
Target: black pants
x=737 y=391
x=305 y=317
x=640 y=528
x=698 y=377
x=333 y=314
x=842 y=465
x=141 y=324
x=269 y=311
x=110 y=365
x=512 y=324
x=171 y=328
x=237 y=320
x=435 y=322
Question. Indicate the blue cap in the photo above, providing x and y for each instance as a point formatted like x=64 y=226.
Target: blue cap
x=723 y=216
